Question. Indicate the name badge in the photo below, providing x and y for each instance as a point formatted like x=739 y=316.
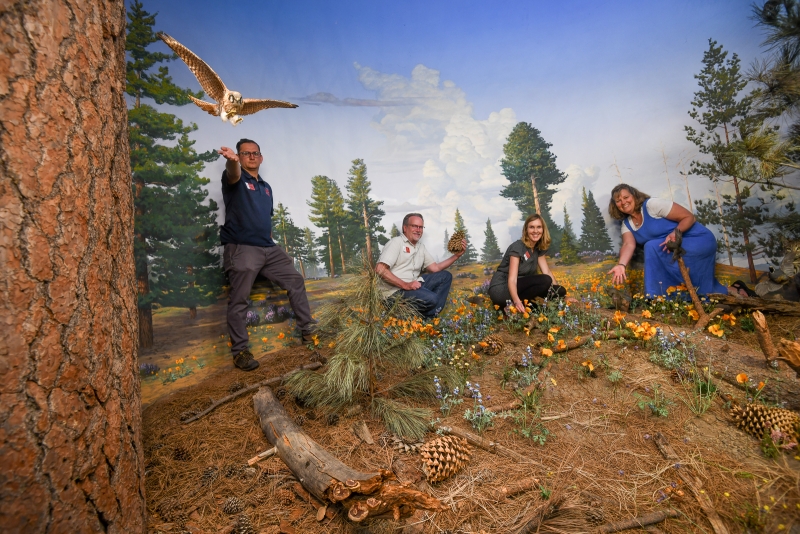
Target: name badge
x=527 y=255
x=408 y=250
x=250 y=186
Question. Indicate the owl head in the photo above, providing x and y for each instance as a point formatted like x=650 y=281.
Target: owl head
x=235 y=98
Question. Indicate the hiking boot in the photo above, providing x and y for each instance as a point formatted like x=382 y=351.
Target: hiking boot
x=244 y=361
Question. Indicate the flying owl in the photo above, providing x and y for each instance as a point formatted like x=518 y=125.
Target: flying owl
x=229 y=104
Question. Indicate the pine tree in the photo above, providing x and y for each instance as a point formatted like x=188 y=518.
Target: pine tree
x=328 y=214
x=446 y=240
x=365 y=212
x=720 y=111
x=471 y=255
x=307 y=251
x=287 y=235
x=531 y=169
x=396 y=233
x=171 y=218
x=491 y=250
x=594 y=234
x=569 y=243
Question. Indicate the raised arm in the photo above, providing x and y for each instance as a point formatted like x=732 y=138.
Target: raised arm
x=444 y=264
x=231 y=165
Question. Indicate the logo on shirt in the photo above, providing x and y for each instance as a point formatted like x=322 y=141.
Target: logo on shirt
x=250 y=186
x=527 y=255
x=267 y=192
x=408 y=249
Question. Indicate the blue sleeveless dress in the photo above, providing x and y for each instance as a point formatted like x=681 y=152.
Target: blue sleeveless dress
x=700 y=258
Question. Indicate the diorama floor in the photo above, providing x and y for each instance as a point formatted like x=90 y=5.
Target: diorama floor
x=591 y=449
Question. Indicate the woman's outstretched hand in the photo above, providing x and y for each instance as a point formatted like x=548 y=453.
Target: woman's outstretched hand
x=618 y=275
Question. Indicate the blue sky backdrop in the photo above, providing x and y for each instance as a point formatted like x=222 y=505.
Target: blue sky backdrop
x=427 y=92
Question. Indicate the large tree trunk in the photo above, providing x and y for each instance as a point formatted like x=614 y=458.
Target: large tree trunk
x=535 y=194
x=70 y=437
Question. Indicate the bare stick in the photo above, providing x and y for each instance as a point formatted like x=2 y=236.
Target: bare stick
x=254 y=387
x=783 y=307
x=516 y=488
x=668 y=452
x=638 y=522
x=262 y=456
x=764 y=339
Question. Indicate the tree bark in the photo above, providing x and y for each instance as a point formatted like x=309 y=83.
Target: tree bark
x=70 y=437
x=535 y=194
x=363 y=495
x=783 y=307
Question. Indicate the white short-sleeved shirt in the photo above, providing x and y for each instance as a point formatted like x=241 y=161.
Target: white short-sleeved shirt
x=657 y=208
x=405 y=261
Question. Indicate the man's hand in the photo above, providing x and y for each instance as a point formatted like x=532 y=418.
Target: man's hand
x=228 y=154
x=412 y=286
x=463 y=249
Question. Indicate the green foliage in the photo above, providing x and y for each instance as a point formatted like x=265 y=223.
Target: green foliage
x=491 y=250
x=544 y=492
x=175 y=224
x=615 y=376
x=478 y=416
x=594 y=234
x=471 y=255
x=658 y=404
x=328 y=214
x=306 y=252
x=526 y=156
x=364 y=213
x=569 y=243
x=394 y=232
x=527 y=418
x=698 y=391
x=448 y=399
x=746 y=323
x=368 y=355
x=670 y=350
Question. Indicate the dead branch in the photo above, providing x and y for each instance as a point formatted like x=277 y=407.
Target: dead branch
x=638 y=522
x=764 y=338
x=269 y=382
x=683 y=473
x=790 y=353
x=534 y=520
x=269 y=453
x=698 y=306
x=521 y=486
x=706 y=318
x=780 y=307
x=363 y=495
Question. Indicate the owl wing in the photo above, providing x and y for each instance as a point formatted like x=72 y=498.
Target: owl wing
x=209 y=80
x=252 y=105
x=208 y=107
x=788 y=263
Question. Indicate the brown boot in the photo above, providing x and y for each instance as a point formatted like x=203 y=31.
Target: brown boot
x=244 y=361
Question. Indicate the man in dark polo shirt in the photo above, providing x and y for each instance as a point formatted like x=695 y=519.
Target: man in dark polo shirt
x=250 y=250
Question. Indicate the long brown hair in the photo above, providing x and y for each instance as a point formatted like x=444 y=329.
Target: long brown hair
x=544 y=241
x=638 y=198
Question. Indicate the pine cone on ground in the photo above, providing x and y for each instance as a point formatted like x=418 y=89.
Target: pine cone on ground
x=280 y=393
x=299 y=419
x=233 y=505
x=171 y=512
x=455 y=244
x=284 y=496
x=312 y=415
x=210 y=474
x=404 y=445
x=443 y=457
x=756 y=419
x=244 y=525
x=233 y=470
x=332 y=419
x=492 y=345
x=180 y=454
x=595 y=515
x=188 y=414
x=236 y=386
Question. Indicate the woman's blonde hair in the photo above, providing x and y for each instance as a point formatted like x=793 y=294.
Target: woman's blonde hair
x=544 y=241
x=638 y=198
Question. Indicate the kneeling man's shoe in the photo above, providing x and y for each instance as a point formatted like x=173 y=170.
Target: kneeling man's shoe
x=244 y=361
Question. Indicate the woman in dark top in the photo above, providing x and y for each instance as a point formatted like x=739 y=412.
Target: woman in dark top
x=516 y=278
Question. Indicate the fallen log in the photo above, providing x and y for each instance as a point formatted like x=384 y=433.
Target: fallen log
x=683 y=473
x=782 y=307
x=637 y=522
x=764 y=337
x=363 y=495
x=269 y=382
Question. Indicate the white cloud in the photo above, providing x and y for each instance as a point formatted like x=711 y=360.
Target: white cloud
x=457 y=154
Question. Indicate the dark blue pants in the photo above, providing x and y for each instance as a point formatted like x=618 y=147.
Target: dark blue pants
x=429 y=300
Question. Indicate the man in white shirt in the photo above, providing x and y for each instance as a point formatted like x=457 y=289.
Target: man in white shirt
x=400 y=266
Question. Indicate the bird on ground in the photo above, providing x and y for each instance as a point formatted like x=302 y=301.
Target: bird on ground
x=786 y=272
x=228 y=105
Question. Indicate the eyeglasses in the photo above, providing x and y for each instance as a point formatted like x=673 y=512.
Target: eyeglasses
x=416 y=227
x=248 y=154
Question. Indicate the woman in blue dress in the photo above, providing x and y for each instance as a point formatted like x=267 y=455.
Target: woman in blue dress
x=652 y=222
